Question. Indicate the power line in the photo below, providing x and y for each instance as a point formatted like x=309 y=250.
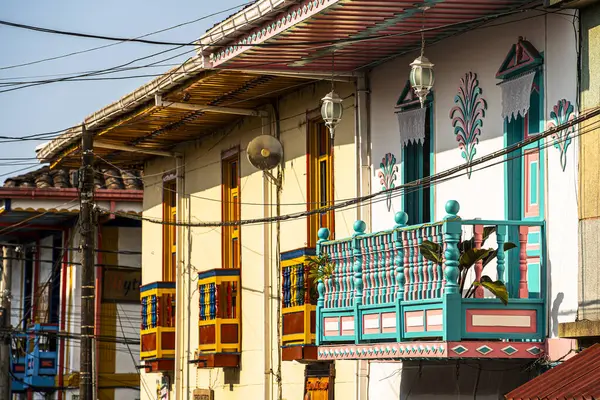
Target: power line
x=136 y=39
x=358 y=200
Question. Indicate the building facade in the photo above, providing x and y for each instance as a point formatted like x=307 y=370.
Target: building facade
x=40 y=237
x=230 y=304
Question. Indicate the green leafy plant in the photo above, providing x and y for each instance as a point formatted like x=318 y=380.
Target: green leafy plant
x=321 y=267
x=469 y=256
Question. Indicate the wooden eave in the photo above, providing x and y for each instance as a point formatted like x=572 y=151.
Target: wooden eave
x=153 y=127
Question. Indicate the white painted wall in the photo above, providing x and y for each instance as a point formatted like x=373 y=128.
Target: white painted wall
x=482 y=52
x=482 y=196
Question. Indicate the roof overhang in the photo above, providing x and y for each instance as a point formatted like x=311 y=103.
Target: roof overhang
x=151 y=124
x=362 y=33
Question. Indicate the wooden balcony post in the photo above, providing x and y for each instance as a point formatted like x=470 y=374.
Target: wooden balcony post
x=401 y=219
x=323 y=235
x=523 y=287
x=501 y=232
x=452 y=231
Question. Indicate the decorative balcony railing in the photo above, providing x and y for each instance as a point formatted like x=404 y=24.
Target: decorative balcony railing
x=299 y=299
x=41 y=361
x=219 y=319
x=384 y=290
x=158 y=325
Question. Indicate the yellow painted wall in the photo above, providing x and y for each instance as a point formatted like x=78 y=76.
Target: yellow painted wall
x=203 y=183
x=590 y=98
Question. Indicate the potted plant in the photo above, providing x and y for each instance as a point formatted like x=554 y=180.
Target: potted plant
x=469 y=256
x=320 y=266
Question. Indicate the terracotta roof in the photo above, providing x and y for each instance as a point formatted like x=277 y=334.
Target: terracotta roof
x=576 y=378
x=44 y=178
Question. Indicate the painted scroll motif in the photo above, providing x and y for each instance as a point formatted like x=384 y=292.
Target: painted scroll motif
x=387 y=176
x=562 y=113
x=467 y=116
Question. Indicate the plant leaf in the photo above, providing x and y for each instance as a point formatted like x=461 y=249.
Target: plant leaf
x=470 y=257
x=487 y=231
x=431 y=251
x=497 y=288
x=509 y=245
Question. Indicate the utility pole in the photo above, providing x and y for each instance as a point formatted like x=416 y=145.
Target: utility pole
x=87 y=226
x=5 y=324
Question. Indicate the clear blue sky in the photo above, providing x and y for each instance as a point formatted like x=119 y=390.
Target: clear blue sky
x=59 y=105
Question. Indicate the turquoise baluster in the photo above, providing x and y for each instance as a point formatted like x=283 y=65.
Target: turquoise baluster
x=501 y=231
x=382 y=269
x=323 y=235
x=438 y=267
x=452 y=231
x=401 y=219
x=359 y=229
x=420 y=265
x=429 y=293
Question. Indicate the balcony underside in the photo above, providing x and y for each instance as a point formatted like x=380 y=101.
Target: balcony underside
x=433 y=350
x=217 y=360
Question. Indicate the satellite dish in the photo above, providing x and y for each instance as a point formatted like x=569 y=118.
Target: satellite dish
x=265 y=152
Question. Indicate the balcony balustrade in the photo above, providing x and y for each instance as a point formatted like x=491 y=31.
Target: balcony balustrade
x=299 y=299
x=219 y=319
x=385 y=300
x=158 y=326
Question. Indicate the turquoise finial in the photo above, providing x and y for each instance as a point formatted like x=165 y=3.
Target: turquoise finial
x=401 y=219
x=359 y=227
x=452 y=208
x=323 y=233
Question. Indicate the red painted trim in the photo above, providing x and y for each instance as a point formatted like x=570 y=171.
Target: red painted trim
x=26 y=226
x=63 y=307
x=70 y=193
x=502 y=329
x=36 y=278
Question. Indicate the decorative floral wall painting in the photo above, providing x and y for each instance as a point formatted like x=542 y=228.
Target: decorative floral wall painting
x=562 y=113
x=467 y=116
x=387 y=176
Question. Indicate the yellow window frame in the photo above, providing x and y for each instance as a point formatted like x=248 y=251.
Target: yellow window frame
x=231 y=210
x=320 y=155
x=169 y=231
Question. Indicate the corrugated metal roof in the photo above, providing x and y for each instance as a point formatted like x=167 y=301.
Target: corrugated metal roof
x=576 y=378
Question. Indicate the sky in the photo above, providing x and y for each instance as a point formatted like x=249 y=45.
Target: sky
x=56 y=106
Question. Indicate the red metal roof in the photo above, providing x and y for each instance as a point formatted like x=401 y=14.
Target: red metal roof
x=301 y=38
x=576 y=378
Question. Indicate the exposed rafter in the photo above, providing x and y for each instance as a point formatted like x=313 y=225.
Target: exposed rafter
x=206 y=108
x=133 y=149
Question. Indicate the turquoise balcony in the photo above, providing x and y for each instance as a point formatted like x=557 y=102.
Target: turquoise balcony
x=384 y=300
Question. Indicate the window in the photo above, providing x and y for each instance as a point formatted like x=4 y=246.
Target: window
x=320 y=181
x=416 y=165
x=231 y=212
x=169 y=231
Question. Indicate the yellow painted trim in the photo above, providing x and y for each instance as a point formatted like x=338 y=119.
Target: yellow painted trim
x=156 y=292
x=293 y=262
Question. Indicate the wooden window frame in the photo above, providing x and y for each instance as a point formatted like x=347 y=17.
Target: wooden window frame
x=169 y=232
x=231 y=210
x=315 y=127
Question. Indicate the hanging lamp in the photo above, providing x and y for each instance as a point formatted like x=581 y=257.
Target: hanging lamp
x=332 y=108
x=421 y=71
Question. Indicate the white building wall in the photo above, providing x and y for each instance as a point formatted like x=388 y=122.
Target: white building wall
x=482 y=52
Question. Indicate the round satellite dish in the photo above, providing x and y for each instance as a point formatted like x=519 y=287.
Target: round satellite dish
x=265 y=152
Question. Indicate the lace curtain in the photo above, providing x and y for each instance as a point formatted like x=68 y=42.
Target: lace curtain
x=515 y=96
x=412 y=126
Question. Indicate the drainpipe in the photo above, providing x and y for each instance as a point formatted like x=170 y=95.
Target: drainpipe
x=179 y=323
x=363 y=187
x=267 y=345
x=362 y=144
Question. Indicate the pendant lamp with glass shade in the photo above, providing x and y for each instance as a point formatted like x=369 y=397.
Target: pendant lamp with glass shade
x=421 y=72
x=332 y=108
